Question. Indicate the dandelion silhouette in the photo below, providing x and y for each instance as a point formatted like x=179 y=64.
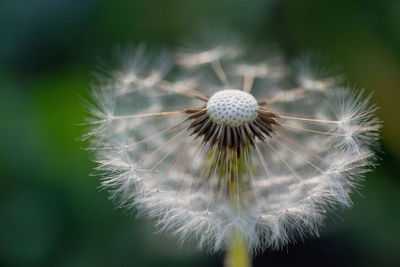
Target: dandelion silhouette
x=220 y=149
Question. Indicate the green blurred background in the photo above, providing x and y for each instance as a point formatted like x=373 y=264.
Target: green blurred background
x=51 y=211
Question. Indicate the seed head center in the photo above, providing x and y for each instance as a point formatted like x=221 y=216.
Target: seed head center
x=232 y=107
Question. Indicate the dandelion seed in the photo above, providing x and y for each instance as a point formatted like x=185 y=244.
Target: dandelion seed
x=238 y=159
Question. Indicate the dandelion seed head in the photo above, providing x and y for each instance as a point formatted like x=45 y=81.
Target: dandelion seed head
x=206 y=160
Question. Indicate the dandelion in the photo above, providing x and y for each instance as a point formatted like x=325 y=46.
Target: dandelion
x=221 y=149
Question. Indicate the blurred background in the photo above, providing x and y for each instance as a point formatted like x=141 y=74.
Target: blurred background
x=51 y=211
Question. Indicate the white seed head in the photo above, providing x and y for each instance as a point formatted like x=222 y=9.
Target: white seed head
x=232 y=107
x=206 y=167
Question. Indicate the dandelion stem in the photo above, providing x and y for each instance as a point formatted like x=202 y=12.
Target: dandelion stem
x=237 y=254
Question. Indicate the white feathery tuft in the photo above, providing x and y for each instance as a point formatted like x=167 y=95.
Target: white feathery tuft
x=271 y=175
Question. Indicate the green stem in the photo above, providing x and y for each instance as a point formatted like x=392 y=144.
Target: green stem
x=232 y=172
x=237 y=254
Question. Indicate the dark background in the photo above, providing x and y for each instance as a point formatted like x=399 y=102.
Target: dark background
x=51 y=211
